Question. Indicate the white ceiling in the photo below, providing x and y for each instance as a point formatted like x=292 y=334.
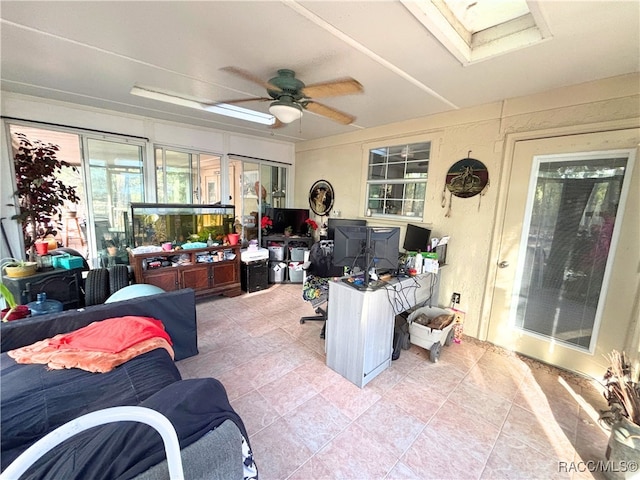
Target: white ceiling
x=92 y=53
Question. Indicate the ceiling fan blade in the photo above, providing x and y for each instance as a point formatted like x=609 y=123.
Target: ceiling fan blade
x=251 y=77
x=333 y=88
x=332 y=113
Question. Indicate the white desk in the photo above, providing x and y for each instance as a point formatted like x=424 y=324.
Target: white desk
x=359 y=330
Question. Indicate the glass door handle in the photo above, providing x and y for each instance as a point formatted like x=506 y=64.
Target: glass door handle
x=503 y=264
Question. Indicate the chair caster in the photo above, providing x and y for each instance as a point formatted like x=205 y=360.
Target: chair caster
x=302 y=320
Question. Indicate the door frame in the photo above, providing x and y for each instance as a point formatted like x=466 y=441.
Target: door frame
x=509 y=146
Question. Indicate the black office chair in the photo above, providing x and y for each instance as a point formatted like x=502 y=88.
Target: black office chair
x=315 y=288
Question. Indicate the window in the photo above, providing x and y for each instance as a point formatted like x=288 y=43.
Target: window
x=175 y=176
x=188 y=177
x=397 y=180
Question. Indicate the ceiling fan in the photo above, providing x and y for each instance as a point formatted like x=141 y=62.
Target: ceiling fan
x=289 y=96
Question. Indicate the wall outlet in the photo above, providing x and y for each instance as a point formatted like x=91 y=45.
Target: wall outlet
x=455 y=298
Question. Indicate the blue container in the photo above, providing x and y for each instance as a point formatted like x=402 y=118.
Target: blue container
x=42 y=306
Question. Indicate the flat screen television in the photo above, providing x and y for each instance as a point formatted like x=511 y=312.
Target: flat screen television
x=288 y=217
x=416 y=239
x=337 y=222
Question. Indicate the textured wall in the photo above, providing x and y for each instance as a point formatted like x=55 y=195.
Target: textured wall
x=342 y=161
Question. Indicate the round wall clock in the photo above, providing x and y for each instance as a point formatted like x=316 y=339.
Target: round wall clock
x=321 y=197
x=467 y=178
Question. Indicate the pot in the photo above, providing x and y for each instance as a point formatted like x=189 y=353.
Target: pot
x=233 y=238
x=21 y=311
x=26 y=270
x=623 y=447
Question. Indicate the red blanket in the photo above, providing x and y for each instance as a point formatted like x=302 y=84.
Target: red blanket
x=112 y=335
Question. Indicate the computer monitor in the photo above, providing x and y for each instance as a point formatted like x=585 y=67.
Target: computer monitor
x=384 y=245
x=350 y=246
x=337 y=222
x=366 y=247
x=416 y=239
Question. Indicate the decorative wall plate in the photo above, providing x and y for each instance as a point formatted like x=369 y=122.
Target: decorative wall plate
x=321 y=197
x=467 y=178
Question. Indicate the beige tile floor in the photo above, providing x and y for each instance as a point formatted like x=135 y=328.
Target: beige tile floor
x=480 y=412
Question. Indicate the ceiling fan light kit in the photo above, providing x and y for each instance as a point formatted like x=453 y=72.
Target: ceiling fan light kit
x=285 y=112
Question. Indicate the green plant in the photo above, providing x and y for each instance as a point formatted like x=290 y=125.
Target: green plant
x=41 y=194
x=622 y=390
x=9 y=299
x=12 y=262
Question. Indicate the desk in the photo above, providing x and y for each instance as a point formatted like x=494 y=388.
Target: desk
x=359 y=330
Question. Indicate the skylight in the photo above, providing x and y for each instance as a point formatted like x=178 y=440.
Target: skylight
x=475 y=30
x=478 y=15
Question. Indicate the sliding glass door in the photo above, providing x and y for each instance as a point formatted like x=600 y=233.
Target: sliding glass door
x=115 y=180
x=258 y=186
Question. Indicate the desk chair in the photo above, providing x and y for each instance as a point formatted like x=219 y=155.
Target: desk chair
x=319 y=269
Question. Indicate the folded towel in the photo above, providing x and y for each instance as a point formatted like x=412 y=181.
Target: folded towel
x=98 y=347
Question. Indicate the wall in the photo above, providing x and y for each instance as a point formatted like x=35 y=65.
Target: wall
x=483 y=130
x=165 y=133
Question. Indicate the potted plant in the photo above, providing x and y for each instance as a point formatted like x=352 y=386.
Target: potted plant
x=13 y=311
x=312 y=226
x=40 y=192
x=265 y=224
x=15 y=268
x=622 y=392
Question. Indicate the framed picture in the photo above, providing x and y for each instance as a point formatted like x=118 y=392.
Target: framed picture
x=321 y=197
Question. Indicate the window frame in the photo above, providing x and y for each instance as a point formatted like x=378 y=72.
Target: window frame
x=390 y=144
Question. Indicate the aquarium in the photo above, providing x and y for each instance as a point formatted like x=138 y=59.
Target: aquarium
x=158 y=223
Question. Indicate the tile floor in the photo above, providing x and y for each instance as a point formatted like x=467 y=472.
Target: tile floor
x=480 y=412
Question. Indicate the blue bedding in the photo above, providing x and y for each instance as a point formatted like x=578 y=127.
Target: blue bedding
x=36 y=400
